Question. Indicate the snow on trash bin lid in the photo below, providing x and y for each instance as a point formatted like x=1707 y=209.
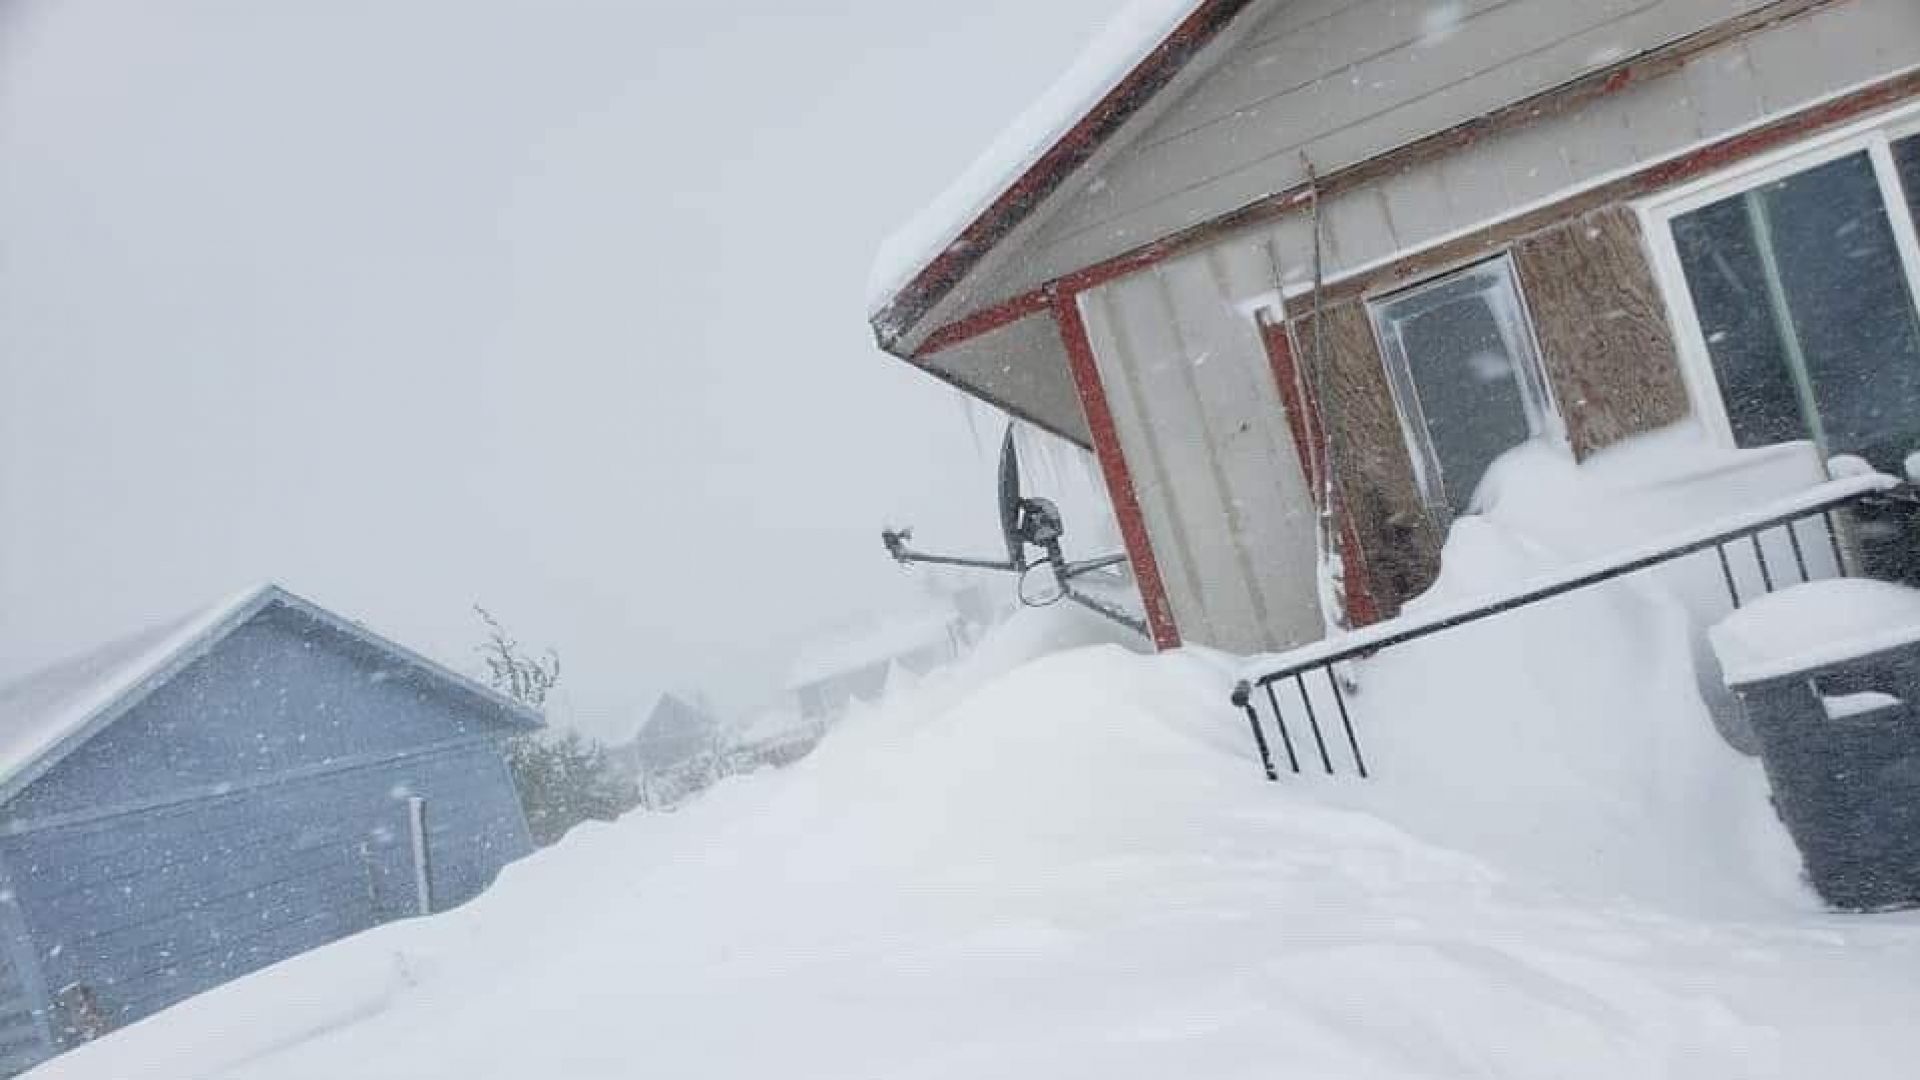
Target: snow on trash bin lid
x=1811 y=625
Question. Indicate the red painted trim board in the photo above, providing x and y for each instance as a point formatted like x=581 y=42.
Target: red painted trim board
x=1113 y=467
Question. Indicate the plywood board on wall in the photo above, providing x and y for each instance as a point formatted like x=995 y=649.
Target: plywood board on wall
x=1602 y=328
x=1399 y=539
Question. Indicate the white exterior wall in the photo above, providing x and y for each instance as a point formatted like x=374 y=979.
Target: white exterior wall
x=1214 y=466
x=1189 y=383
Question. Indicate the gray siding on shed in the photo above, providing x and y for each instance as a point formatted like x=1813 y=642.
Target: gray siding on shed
x=280 y=693
x=26 y=1036
x=252 y=806
x=148 y=907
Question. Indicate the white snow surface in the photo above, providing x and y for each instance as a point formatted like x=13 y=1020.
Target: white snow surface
x=868 y=644
x=1815 y=624
x=1058 y=859
x=1134 y=31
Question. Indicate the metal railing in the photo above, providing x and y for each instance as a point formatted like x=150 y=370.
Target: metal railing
x=1726 y=538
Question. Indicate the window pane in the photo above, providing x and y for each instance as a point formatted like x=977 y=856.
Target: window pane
x=1729 y=285
x=1806 y=311
x=1906 y=157
x=1466 y=356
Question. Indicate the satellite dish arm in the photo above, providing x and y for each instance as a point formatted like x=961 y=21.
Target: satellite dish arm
x=1088 y=566
x=1111 y=611
x=897 y=547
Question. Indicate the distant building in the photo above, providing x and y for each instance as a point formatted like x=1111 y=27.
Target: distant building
x=675 y=732
x=192 y=803
x=853 y=665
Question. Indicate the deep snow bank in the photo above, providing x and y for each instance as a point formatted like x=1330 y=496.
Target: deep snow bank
x=1057 y=867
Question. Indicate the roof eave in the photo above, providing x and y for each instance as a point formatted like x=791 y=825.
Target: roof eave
x=896 y=320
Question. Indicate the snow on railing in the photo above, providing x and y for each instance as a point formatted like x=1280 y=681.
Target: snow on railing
x=1261 y=673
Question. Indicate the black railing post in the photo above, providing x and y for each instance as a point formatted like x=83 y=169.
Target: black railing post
x=1313 y=722
x=1760 y=556
x=1346 y=722
x=1243 y=697
x=1280 y=723
x=1726 y=571
x=1799 y=557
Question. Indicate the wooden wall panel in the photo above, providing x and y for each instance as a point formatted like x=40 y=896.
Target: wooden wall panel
x=1399 y=538
x=1602 y=328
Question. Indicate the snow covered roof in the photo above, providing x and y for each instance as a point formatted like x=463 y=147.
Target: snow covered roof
x=868 y=646
x=1137 y=54
x=44 y=716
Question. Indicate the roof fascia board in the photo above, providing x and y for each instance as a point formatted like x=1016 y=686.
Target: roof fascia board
x=905 y=311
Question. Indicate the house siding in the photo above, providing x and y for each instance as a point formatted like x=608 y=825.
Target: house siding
x=1359 y=81
x=1339 y=83
x=1214 y=467
x=1197 y=469
x=252 y=807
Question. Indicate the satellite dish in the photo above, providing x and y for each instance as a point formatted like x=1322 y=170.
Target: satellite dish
x=1025 y=522
x=1010 y=497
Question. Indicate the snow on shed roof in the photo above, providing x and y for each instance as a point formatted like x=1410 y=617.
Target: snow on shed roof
x=1144 y=45
x=47 y=714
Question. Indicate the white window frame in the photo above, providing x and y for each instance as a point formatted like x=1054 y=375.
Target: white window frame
x=1536 y=390
x=1874 y=135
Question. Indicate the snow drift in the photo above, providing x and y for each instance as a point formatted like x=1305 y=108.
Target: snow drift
x=1066 y=867
x=1058 y=858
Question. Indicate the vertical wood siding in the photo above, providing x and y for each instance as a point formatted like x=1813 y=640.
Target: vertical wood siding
x=1219 y=482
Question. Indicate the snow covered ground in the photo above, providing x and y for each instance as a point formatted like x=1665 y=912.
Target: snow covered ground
x=1058 y=859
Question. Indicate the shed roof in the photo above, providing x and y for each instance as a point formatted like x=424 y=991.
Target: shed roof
x=1138 y=53
x=46 y=715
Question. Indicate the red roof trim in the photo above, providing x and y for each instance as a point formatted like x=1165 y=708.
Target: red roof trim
x=1113 y=467
x=904 y=310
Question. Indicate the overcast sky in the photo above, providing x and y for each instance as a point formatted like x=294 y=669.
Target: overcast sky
x=551 y=305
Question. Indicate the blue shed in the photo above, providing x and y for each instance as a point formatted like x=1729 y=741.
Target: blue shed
x=192 y=803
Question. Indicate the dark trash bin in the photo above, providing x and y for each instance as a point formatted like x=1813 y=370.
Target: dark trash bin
x=1828 y=676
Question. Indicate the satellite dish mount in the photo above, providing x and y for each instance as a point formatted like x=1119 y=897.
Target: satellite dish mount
x=1026 y=522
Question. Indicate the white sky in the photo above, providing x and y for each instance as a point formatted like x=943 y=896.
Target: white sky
x=551 y=305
